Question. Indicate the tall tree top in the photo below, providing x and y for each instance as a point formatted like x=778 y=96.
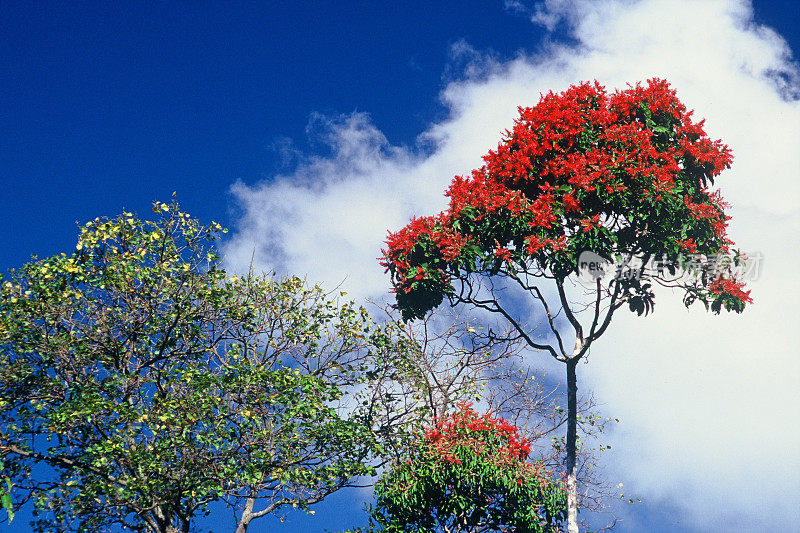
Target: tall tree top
x=625 y=175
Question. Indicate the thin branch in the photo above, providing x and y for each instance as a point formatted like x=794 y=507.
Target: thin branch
x=567 y=311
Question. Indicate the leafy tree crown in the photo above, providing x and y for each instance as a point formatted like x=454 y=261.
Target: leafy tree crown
x=152 y=383
x=626 y=174
x=469 y=473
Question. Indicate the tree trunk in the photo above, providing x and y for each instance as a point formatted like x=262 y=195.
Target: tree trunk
x=572 y=431
x=247 y=516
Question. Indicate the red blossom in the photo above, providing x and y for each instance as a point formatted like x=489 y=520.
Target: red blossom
x=542 y=211
x=571 y=204
x=503 y=253
x=462 y=428
x=608 y=149
x=731 y=287
x=450 y=243
x=590 y=223
x=688 y=245
x=535 y=244
x=700 y=211
x=400 y=243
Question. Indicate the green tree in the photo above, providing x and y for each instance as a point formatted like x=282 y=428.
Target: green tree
x=5 y=493
x=469 y=474
x=618 y=183
x=139 y=382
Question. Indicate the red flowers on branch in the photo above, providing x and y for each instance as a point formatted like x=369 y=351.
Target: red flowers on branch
x=730 y=287
x=467 y=428
x=581 y=170
x=469 y=468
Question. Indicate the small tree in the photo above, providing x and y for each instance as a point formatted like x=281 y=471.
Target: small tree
x=447 y=360
x=138 y=383
x=584 y=176
x=469 y=474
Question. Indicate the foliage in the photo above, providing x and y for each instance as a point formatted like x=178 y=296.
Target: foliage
x=621 y=175
x=469 y=474
x=138 y=382
x=5 y=493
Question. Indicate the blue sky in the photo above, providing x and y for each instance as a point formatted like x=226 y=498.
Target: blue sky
x=311 y=128
x=106 y=107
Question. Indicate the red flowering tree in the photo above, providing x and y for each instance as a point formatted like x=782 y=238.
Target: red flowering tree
x=469 y=474
x=624 y=177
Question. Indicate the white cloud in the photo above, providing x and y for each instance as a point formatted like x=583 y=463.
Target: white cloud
x=709 y=404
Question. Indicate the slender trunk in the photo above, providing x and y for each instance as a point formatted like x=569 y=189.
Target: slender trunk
x=572 y=431
x=247 y=516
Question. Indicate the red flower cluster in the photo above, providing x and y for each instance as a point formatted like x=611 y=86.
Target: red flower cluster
x=590 y=223
x=571 y=205
x=702 y=211
x=535 y=244
x=482 y=194
x=712 y=209
x=591 y=141
x=437 y=231
x=688 y=245
x=503 y=253
x=578 y=161
x=730 y=287
x=467 y=428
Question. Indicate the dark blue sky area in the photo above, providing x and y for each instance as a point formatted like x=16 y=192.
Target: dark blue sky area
x=104 y=107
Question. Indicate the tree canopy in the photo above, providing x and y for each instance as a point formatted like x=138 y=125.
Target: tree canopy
x=139 y=382
x=622 y=175
x=469 y=474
